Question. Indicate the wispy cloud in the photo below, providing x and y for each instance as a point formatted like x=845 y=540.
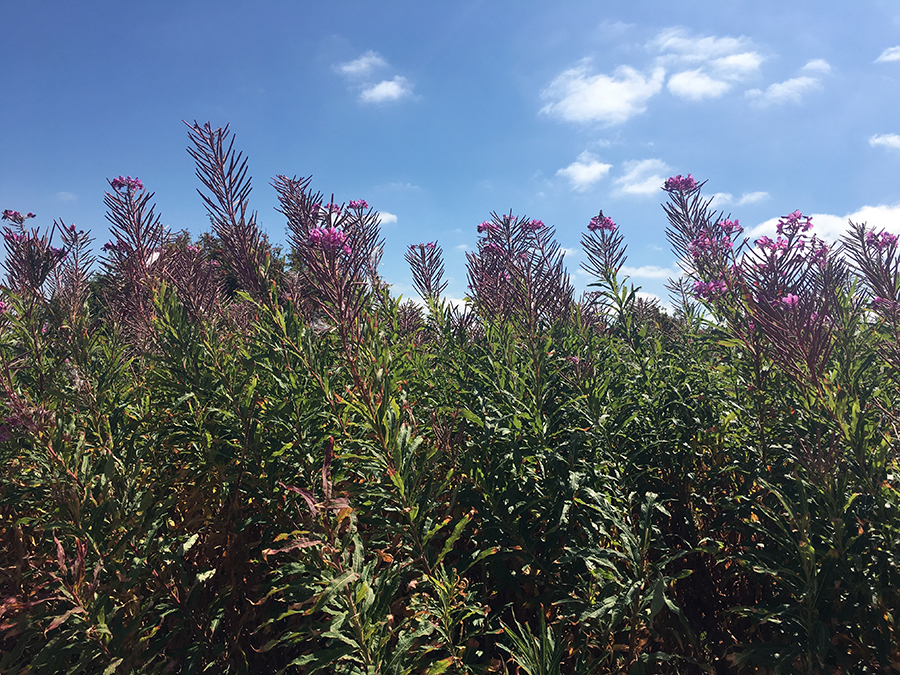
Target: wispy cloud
x=885 y=140
x=384 y=218
x=792 y=90
x=711 y=65
x=585 y=171
x=888 y=55
x=649 y=272
x=362 y=66
x=695 y=85
x=642 y=177
x=721 y=199
x=579 y=95
x=66 y=196
x=387 y=90
x=789 y=91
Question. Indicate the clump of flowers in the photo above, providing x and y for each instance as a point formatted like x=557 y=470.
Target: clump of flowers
x=708 y=290
x=790 y=300
x=601 y=222
x=329 y=239
x=127 y=182
x=680 y=183
x=884 y=241
x=359 y=204
x=16 y=217
x=534 y=225
x=487 y=226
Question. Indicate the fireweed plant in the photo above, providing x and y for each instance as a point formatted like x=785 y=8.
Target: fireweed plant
x=218 y=457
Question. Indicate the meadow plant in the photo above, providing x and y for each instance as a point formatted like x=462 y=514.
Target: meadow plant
x=217 y=458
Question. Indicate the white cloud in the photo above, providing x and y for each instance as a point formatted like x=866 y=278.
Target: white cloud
x=695 y=85
x=585 y=171
x=577 y=95
x=889 y=54
x=885 y=140
x=697 y=49
x=720 y=199
x=752 y=197
x=642 y=177
x=461 y=247
x=736 y=66
x=66 y=196
x=816 y=66
x=362 y=66
x=387 y=90
x=649 y=272
x=384 y=218
x=709 y=66
x=830 y=227
x=789 y=91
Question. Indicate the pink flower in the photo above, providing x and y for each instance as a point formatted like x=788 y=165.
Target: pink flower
x=790 y=300
x=534 y=225
x=710 y=289
x=487 y=226
x=329 y=239
x=359 y=204
x=601 y=222
x=127 y=182
x=680 y=183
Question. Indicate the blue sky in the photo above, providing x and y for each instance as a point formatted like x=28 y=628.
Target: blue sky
x=438 y=113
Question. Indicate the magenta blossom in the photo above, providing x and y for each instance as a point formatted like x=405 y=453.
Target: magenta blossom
x=127 y=182
x=329 y=239
x=16 y=217
x=359 y=204
x=882 y=241
x=534 y=225
x=680 y=183
x=487 y=226
x=601 y=222
x=709 y=289
x=790 y=300
x=793 y=223
x=333 y=208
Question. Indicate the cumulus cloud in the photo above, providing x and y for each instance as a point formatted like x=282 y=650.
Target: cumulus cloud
x=752 y=197
x=713 y=64
x=362 y=66
x=387 y=90
x=578 y=95
x=384 y=218
x=642 y=177
x=817 y=66
x=649 y=272
x=789 y=91
x=830 y=227
x=889 y=54
x=695 y=85
x=585 y=171
x=885 y=140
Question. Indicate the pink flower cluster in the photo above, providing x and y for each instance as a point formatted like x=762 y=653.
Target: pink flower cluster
x=329 y=239
x=3 y=307
x=534 y=225
x=487 y=226
x=680 y=183
x=601 y=222
x=333 y=208
x=793 y=223
x=790 y=300
x=883 y=241
x=15 y=216
x=131 y=184
x=359 y=204
x=709 y=289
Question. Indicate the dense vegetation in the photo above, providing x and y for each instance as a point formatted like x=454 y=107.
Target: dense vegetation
x=218 y=458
